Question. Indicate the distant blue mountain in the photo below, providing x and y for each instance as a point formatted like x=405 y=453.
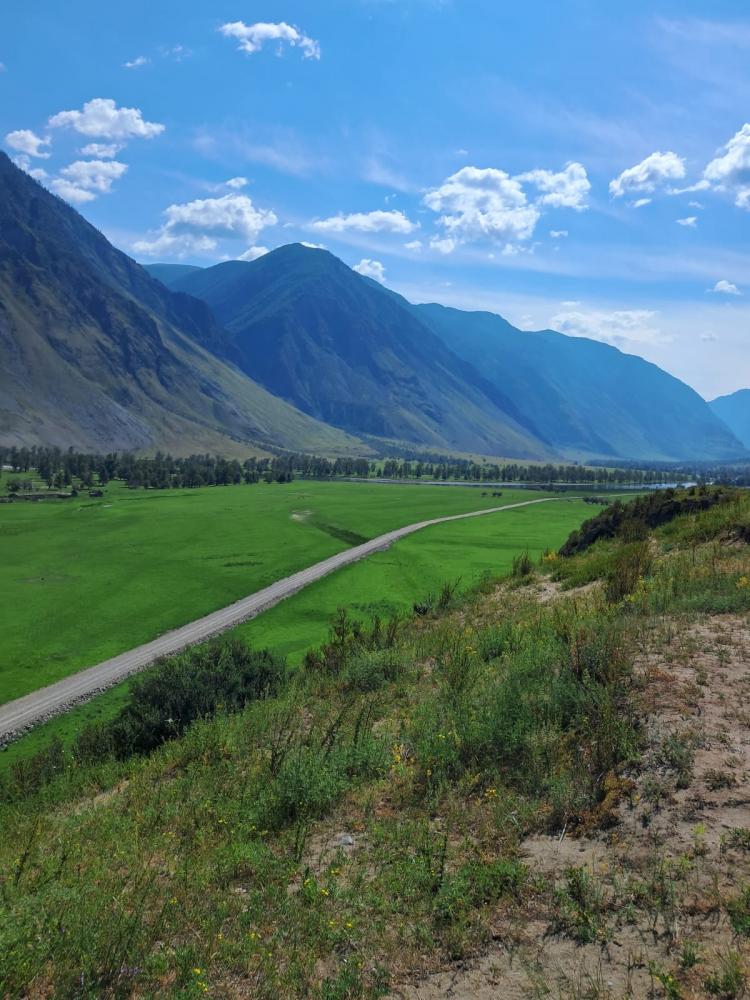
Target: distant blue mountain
x=734 y=410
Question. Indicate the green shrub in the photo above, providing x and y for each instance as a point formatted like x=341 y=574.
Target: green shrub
x=222 y=675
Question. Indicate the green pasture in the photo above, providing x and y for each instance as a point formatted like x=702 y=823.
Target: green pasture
x=84 y=579
x=382 y=584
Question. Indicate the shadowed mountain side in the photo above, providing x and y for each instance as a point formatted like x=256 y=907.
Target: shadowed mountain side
x=588 y=399
x=734 y=410
x=344 y=350
x=95 y=353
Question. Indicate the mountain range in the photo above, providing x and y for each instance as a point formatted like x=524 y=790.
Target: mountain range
x=734 y=411
x=297 y=351
x=97 y=354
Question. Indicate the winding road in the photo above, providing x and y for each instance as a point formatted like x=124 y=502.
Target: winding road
x=23 y=713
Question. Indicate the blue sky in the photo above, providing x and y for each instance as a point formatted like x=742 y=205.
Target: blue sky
x=578 y=165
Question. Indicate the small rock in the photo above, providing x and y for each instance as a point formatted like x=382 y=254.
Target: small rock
x=345 y=840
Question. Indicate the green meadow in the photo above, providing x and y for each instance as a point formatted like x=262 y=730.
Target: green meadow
x=84 y=579
x=385 y=583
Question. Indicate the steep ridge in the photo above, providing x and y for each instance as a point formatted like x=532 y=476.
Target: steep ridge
x=347 y=352
x=588 y=399
x=95 y=353
x=734 y=410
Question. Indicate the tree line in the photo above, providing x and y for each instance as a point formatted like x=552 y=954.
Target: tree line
x=62 y=469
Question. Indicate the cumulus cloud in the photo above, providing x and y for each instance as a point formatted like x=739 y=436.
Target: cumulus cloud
x=691 y=221
x=483 y=203
x=724 y=287
x=619 y=327
x=378 y=221
x=101 y=118
x=730 y=171
x=252 y=253
x=651 y=173
x=25 y=141
x=558 y=234
x=24 y=163
x=253 y=36
x=236 y=183
x=567 y=188
x=443 y=244
x=84 y=180
x=195 y=226
x=487 y=203
x=101 y=150
x=415 y=245
x=312 y=246
x=71 y=192
x=136 y=63
x=371 y=269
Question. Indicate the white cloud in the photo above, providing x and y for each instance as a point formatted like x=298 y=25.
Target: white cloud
x=195 y=226
x=695 y=204
x=24 y=163
x=25 y=141
x=236 y=183
x=558 y=234
x=101 y=150
x=252 y=253
x=176 y=52
x=690 y=221
x=371 y=269
x=71 y=192
x=101 y=118
x=253 y=36
x=3 y=67
x=136 y=63
x=84 y=180
x=640 y=202
x=570 y=303
x=367 y=222
x=724 y=287
x=620 y=327
x=731 y=171
x=443 y=244
x=483 y=203
x=415 y=245
x=655 y=170
x=567 y=188
x=709 y=338
x=312 y=246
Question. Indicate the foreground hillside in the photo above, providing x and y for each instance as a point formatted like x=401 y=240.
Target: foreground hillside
x=538 y=790
x=96 y=354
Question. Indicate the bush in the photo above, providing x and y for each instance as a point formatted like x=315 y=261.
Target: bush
x=222 y=675
x=630 y=521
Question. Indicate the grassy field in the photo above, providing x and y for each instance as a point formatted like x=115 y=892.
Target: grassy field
x=385 y=583
x=85 y=579
x=532 y=791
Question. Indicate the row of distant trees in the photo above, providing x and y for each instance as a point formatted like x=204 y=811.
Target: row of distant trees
x=60 y=469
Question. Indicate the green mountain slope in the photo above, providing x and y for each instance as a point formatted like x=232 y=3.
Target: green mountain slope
x=587 y=399
x=347 y=352
x=97 y=354
x=734 y=410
